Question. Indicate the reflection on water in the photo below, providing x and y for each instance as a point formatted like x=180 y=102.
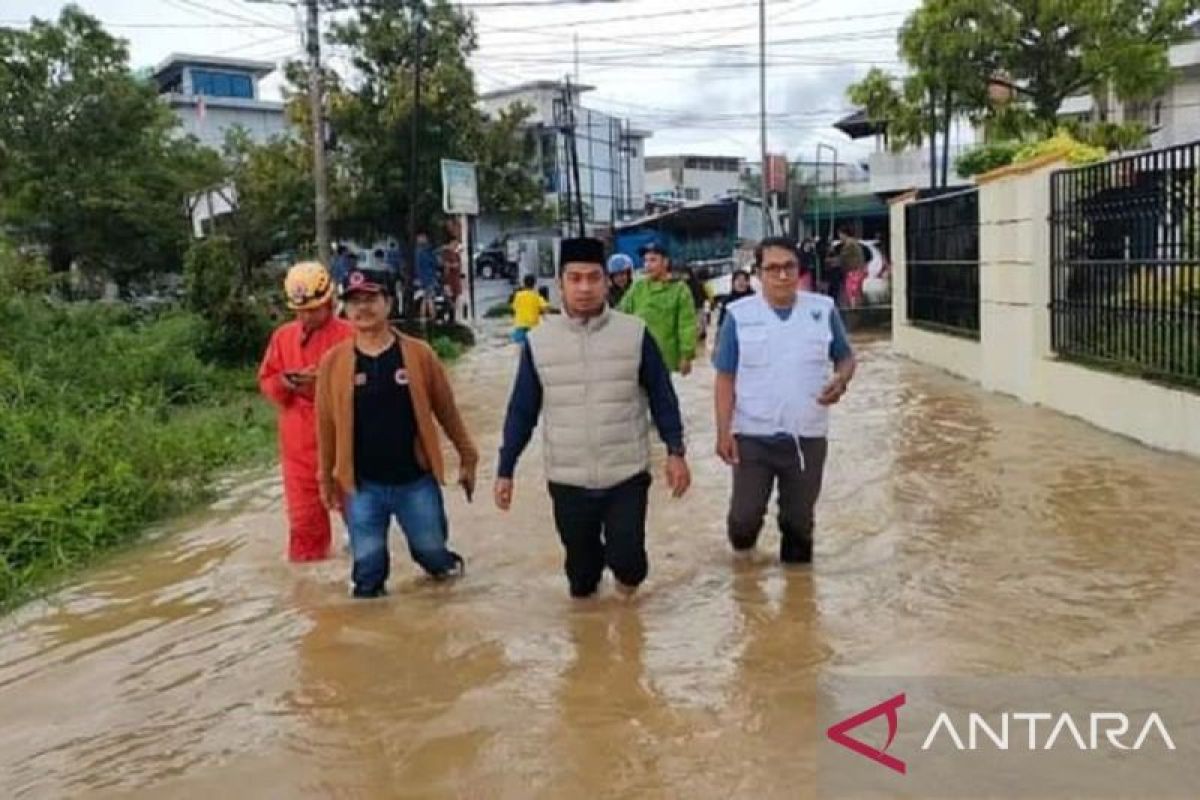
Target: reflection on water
x=960 y=533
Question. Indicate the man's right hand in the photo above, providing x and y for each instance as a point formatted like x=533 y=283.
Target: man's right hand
x=305 y=377
x=727 y=449
x=330 y=497
x=503 y=493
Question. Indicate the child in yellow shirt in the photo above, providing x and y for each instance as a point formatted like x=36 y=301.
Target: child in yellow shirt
x=528 y=307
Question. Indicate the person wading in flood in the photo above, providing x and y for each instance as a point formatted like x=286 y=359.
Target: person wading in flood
x=377 y=398
x=666 y=307
x=591 y=374
x=773 y=393
x=620 y=277
x=287 y=376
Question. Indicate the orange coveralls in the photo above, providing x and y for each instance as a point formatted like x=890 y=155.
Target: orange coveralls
x=291 y=349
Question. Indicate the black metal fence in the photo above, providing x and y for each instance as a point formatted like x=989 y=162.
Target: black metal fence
x=941 y=243
x=1125 y=264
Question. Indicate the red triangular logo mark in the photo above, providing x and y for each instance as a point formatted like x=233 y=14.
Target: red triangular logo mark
x=837 y=733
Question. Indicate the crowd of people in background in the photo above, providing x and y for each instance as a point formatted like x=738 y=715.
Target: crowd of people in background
x=437 y=288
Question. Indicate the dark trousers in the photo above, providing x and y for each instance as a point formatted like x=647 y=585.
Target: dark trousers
x=602 y=528
x=763 y=464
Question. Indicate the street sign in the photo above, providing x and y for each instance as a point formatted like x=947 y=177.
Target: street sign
x=460 y=190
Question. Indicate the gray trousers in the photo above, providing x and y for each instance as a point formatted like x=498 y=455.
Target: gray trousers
x=797 y=466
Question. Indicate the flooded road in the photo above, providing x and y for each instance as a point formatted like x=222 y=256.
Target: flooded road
x=960 y=533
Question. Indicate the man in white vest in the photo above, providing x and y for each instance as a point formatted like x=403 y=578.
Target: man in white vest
x=596 y=378
x=782 y=360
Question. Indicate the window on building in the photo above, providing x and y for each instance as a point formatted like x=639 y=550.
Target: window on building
x=221 y=84
x=691 y=193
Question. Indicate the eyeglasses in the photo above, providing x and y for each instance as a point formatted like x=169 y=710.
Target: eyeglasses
x=780 y=270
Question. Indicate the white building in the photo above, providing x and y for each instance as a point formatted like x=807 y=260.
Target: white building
x=692 y=177
x=610 y=153
x=1172 y=118
x=211 y=94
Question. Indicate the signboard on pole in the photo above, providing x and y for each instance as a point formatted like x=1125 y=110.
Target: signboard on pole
x=776 y=173
x=460 y=189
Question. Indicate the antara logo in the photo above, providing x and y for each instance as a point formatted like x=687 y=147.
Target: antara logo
x=837 y=733
x=1098 y=730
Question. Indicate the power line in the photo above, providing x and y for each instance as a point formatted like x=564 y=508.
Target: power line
x=652 y=15
x=658 y=35
x=173 y=25
x=878 y=33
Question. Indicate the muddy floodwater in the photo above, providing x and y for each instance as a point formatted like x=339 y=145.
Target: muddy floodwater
x=960 y=533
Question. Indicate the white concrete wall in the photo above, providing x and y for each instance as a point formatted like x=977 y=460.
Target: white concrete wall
x=1180 y=114
x=908 y=169
x=261 y=120
x=711 y=183
x=659 y=181
x=1014 y=353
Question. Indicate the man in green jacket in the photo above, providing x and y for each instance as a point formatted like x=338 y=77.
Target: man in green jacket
x=666 y=307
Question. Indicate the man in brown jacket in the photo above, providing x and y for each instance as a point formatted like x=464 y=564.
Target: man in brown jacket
x=380 y=454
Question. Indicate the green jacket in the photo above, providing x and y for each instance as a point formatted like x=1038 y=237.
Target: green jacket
x=669 y=314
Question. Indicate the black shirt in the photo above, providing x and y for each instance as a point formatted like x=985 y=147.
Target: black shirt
x=385 y=429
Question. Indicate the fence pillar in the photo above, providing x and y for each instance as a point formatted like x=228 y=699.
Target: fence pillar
x=1014 y=278
x=899 y=261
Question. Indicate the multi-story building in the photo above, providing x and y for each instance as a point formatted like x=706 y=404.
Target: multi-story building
x=211 y=95
x=609 y=153
x=691 y=178
x=1172 y=118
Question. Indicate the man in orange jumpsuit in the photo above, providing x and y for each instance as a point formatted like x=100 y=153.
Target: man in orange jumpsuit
x=287 y=377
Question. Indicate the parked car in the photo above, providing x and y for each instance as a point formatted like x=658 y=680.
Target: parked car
x=877 y=285
x=492 y=262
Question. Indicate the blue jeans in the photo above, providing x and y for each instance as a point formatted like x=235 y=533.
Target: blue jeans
x=421 y=514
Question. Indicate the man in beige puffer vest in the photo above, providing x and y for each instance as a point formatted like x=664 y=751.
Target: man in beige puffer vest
x=595 y=377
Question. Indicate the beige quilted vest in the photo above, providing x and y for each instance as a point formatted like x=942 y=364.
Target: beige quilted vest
x=595 y=416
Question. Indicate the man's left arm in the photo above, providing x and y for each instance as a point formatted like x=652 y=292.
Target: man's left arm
x=686 y=318
x=441 y=397
x=842 y=356
x=655 y=379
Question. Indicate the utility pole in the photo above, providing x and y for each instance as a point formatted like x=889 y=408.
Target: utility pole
x=317 y=112
x=762 y=107
x=414 y=133
x=573 y=155
x=577 y=58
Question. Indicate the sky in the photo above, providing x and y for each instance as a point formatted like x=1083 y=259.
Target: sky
x=686 y=70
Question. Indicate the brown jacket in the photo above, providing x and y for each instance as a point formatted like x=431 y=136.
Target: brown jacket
x=431 y=397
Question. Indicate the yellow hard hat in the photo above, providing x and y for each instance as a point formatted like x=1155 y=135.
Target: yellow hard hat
x=307 y=286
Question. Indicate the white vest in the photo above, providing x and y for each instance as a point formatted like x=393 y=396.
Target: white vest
x=595 y=416
x=782 y=367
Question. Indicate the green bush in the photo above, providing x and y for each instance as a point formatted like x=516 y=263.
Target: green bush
x=236 y=325
x=108 y=421
x=447 y=349
x=986 y=157
x=21 y=273
x=1064 y=145
x=499 y=311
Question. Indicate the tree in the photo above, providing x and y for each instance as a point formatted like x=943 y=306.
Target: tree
x=937 y=40
x=1053 y=49
x=372 y=120
x=1043 y=51
x=89 y=167
x=270 y=186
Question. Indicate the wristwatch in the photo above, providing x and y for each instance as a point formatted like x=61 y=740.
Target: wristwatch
x=679 y=452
